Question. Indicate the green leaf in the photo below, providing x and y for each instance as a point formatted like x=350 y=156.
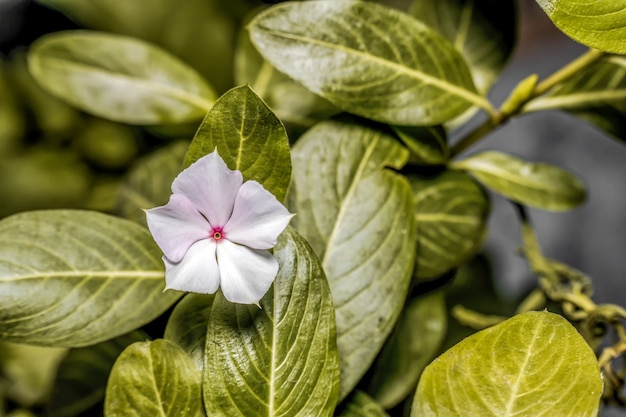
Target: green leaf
x=75 y=278
x=187 y=326
x=514 y=368
x=596 y=94
x=362 y=405
x=290 y=101
x=83 y=373
x=358 y=217
x=249 y=137
x=154 y=379
x=368 y=59
x=148 y=183
x=414 y=342
x=538 y=185
x=483 y=31
x=428 y=145
x=280 y=359
x=451 y=217
x=119 y=78
x=599 y=24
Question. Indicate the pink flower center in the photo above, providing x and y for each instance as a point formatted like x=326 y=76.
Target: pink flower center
x=217 y=234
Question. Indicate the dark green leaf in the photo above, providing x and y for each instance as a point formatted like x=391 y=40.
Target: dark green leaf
x=249 y=137
x=358 y=216
x=597 y=94
x=483 y=31
x=514 y=368
x=413 y=344
x=538 y=185
x=187 y=325
x=154 y=379
x=362 y=405
x=451 y=215
x=599 y=24
x=428 y=145
x=119 y=78
x=368 y=59
x=74 y=278
x=148 y=183
x=280 y=359
x=83 y=373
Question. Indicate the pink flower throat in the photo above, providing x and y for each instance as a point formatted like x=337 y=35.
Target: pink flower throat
x=217 y=233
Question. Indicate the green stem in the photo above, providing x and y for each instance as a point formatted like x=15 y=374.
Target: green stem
x=500 y=117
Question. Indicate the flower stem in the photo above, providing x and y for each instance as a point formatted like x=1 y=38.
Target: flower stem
x=507 y=110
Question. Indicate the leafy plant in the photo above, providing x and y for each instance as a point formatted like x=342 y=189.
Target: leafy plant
x=343 y=111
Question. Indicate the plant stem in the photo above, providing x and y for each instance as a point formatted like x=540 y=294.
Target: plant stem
x=500 y=117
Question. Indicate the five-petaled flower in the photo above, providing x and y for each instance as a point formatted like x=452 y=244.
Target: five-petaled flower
x=215 y=231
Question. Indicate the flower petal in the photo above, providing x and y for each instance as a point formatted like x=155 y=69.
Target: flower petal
x=246 y=273
x=197 y=272
x=258 y=217
x=176 y=226
x=210 y=186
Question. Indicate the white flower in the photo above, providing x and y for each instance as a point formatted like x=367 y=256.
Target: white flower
x=215 y=231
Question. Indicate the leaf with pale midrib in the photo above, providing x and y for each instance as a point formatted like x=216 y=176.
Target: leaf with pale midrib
x=597 y=95
x=367 y=59
x=74 y=278
x=154 y=379
x=249 y=137
x=512 y=369
x=359 y=218
x=540 y=185
x=119 y=78
x=451 y=212
x=280 y=359
x=599 y=24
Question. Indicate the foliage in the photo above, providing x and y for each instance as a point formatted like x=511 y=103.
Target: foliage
x=344 y=111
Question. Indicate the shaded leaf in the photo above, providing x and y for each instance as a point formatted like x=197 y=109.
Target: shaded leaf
x=368 y=59
x=249 y=137
x=483 y=31
x=451 y=218
x=280 y=359
x=358 y=217
x=413 y=344
x=362 y=405
x=74 y=278
x=596 y=94
x=538 y=185
x=512 y=369
x=83 y=373
x=119 y=78
x=148 y=183
x=428 y=145
x=599 y=24
x=154 y=379
x=187 y=326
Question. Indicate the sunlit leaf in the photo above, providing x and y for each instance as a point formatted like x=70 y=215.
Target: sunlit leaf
x=187 y=325
x=538 y=185
x=367 y=59
x=358 y=217
x=75 y=278
x=83 y=373
x=511 y=369
x=119 y=78
x=413 y=344
x=249 y=137
x=597 y=94
x=362 y=405
x=599 y=24
x=280 y=359
x=483 y=31
x=450 y=215
x=154 y=379
x=148 y=183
